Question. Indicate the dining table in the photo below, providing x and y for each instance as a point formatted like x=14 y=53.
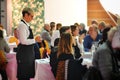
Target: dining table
x=43 y=70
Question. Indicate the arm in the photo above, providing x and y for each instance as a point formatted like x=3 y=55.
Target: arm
x=86 y=44
x=23 y=34
x=46 y=36
x=6 y=47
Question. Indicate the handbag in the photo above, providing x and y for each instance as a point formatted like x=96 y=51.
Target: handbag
x=92 y=74
x=3 y=60
x=116 y=39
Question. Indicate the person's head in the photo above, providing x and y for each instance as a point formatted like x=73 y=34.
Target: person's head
x=1 y=34
x=38 y=38
x=65 y=44
x=52 y=25
x=16 y=33
x=101 y=25
x=58 y=26
x=93 y=29
x=94 y=21
x=65 y=29
x=82 y=26
x=76 y=24
x=27 y=14
x=74 y=30
x=68 y=29
x=111 y=33
x=47 y=27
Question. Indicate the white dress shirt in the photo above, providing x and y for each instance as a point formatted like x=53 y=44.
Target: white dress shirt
x=80 y=45
x=55 y=35
x=23 y=33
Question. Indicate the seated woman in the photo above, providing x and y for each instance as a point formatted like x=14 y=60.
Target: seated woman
x=43 y=47
x=76 y=44
x=75 y=70
x=3 y=48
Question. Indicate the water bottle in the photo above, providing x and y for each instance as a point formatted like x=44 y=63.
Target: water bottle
x=92 y=49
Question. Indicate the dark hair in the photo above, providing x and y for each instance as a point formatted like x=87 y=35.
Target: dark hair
x=58 y=26
x=27 y=10
x=104 y=35
x=94 y=22
x=73 y=28
x=63 y=29
x=1 y=34
x=52 y=25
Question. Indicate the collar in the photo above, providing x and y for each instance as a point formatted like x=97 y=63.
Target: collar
x=26 y=22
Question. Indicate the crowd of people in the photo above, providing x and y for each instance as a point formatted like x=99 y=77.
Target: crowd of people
x=64 y=45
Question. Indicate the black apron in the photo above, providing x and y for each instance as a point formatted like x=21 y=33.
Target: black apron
x=26 y=59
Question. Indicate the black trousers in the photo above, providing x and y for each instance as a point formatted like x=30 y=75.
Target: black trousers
x=3 y=74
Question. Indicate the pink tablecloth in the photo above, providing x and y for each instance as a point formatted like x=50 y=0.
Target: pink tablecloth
x=42 y=72
x=11 y=66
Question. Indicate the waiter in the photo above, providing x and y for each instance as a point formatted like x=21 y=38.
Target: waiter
x=25 y=52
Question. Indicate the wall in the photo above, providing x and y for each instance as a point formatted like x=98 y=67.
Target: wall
x=38 y=8
x=66 y=12
x=3 y=12
x=97 y=11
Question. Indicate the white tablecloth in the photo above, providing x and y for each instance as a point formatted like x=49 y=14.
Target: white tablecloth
x=43 y=70
x=12 y=46
x=87 y=59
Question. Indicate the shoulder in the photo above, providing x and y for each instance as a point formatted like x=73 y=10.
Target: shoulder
x=44 y=32
x=103 y=50
x=87 y=37
x=22 y=26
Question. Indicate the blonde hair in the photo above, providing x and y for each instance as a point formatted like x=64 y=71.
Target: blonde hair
x=27 y=10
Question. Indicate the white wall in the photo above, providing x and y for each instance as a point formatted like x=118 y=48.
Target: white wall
x=70 y=11
x=111 y=5
x=66 y=12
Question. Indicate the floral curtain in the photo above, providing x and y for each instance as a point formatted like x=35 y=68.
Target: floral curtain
x=38 y=7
